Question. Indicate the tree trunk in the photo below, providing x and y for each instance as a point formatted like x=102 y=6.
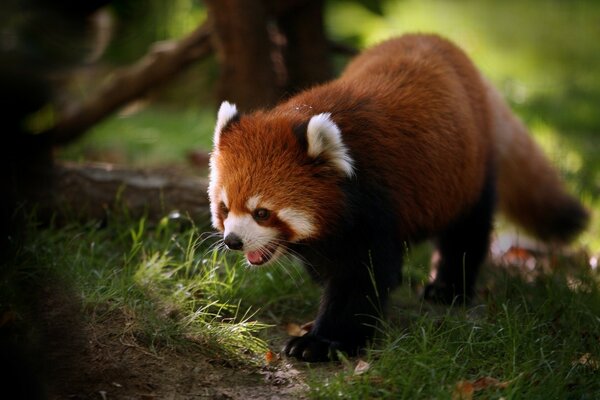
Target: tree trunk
x=307 y=51
x=244 y=49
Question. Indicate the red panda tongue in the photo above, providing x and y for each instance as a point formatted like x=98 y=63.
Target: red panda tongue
x=255 y=257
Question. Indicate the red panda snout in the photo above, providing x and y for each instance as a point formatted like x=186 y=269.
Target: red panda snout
x=260 y=244
x=233 y=242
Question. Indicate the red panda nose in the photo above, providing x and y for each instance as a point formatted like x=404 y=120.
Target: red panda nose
x=233 y=242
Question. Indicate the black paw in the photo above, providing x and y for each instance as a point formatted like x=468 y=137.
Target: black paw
x=441 y=293
x=312 y=348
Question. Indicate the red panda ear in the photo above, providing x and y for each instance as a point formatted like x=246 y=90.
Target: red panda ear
x=324 y=139
x=227 y=114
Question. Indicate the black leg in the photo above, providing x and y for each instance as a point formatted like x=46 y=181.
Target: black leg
x=352 y=302
x=463 y=247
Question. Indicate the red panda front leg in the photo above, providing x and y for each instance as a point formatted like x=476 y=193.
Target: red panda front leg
x=354 y=299
x=345 y=323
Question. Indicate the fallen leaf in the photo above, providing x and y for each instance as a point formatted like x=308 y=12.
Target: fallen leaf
x=270 y=357
x=361 y=367
x=463 y=391
x=587 y=360
x=293 y=329
x=516 y=253
x=307 y=326
x=487 y=382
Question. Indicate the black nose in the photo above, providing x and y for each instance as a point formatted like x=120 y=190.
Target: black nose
x=234 y=242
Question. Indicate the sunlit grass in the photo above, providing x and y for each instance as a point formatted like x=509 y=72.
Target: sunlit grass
x=174 y=289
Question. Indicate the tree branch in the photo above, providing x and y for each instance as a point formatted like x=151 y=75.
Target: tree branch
x=162 y=61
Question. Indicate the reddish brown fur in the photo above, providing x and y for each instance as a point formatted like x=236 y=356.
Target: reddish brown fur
x=530 y=190
x=418 y=120
x=422 y=139
x=431 y=138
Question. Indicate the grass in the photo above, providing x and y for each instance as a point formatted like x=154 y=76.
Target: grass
x=153 y=135
x=539 y=337
x=535 y=338
x=174 y=289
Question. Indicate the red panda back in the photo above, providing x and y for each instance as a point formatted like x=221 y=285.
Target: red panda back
x=413 y=113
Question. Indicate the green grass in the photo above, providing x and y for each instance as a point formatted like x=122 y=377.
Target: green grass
x=532 y=336
x=176 y=291
x=154 y=135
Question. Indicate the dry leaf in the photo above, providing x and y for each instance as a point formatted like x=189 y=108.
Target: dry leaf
x=587 y=360
x=463 y=391
x=361 y=367
x=293 y=329
x=270 y=357
x=308 y=326
x=489 y=382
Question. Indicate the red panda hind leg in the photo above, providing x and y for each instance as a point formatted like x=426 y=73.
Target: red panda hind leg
x=462 y=248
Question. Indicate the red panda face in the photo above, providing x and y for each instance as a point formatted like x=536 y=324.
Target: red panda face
x=275 y=181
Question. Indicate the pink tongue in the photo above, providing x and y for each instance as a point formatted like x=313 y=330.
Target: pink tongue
x=255 y=257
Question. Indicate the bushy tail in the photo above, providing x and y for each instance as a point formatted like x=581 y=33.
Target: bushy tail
x=531 y=193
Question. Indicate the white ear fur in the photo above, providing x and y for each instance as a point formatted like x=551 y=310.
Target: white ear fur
x=226 y=113
x=325 y=139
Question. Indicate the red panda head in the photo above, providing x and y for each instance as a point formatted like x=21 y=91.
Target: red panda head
x=275 y=180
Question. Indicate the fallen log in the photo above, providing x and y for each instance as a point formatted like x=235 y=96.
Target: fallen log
x=95 y=190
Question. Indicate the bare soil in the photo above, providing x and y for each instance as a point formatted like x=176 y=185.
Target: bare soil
x=100 y=358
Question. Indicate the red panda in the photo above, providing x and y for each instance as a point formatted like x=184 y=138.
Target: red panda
x=409 y=143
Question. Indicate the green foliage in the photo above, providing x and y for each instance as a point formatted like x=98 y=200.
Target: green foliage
x=141 y=23
x=149 y=137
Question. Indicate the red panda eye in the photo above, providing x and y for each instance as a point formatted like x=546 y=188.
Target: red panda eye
x=223 y=208
x=261 y=214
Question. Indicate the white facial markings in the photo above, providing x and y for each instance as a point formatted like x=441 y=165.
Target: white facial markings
x=212 y=191
x=325 y=139
x=252 y=203
x=256 y=201
x=226 y=113
x=301 y=222
x=253 y=235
